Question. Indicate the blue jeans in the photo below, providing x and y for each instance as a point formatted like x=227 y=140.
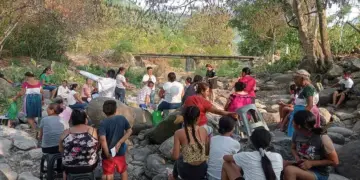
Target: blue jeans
x=50 y=88
x=143 y=106
x=165 y=105
x=319 y=176
x=80 y=106
x=120 y=94
x=152 y=97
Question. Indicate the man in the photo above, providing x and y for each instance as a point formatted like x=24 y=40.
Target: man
x=114 y=131
x=342 y=94
x=150 y=77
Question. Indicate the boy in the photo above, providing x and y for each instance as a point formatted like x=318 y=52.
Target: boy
x=342 y=94
x=143 y=98
x=113 y=131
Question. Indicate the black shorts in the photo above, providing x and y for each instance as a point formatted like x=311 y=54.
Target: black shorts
x=346 y=94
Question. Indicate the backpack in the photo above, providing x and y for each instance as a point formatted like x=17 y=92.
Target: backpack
x=237 y=101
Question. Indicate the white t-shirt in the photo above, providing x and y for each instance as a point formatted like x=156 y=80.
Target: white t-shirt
x=106 y=86
x=63 y=91
x=250 y=162
x=348 y=83
x=173 y=92
x=120 y=80
x=146 y=78
x=70 y=98
x=220 y=146
x=145 y=91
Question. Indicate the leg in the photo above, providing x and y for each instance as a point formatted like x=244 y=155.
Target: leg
x=285 y=122
x=122 y=96
x=230 y=171
x=335 y=95
x=342 y=98
x=163 y=105
x=281 y=112
x=53 y=92
x=64 y=175
x=295 y=173
x=108 y=166
x=124 y=176
x=31 y=122
x=107 y=177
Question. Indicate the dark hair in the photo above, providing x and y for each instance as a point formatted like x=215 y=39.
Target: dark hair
x=246 y=70
x=56 y=107
x=201 y=87
x=189 y=79
x=197 y=78
x=347 y=71
x=150 y=82
x=261 y=139
x=29 y=74
x=293 y=87
x=78 y=117
x=306 y=120
x=121 y=69
x=66 y=80
x=109 y=107
x=171 y=77
x=59 y=101
x=226 y=124
x=240 y=86
x=148 y=68
x=111 y=74
x=208 y=65
x=73 y=86
x=45 y=70
x=191 y=114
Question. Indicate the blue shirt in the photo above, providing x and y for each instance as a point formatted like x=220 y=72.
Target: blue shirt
x=113 y=128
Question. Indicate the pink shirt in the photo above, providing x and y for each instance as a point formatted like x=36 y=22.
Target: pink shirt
x=86 y=90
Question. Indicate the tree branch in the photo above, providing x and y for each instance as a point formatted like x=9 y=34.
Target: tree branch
x=288 y=22
x=353 y=26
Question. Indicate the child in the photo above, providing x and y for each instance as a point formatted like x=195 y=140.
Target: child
x=286 y=108
x=238 y=99
x=63 y=90
x=342 y=94
x=187 y=82
x=113 y=131
x=143 y=98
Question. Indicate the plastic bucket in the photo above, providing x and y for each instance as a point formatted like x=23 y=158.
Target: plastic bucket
x=156 y=118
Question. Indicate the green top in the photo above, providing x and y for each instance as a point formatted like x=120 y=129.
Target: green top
x=45 y=78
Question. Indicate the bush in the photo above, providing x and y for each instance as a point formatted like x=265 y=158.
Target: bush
x=281 y=66
x=135 y=76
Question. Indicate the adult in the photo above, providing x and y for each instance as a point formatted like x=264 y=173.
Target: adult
x=87 y=90
x=143 y=97
x=249 y=81
x=190 y=142
x=191 y=89
x=259 y=165
x=342 y=94
x=74 y=101
x=211 y=78
x=150 y=77
x=63 y=90
x=306 y=100
x=79 y=145
x=121 y=85
x=172 y=92
x=32 y=90
x=200 y=100
x=312 y=148
x=220 y=146
x=238 y=99
x=45 y=79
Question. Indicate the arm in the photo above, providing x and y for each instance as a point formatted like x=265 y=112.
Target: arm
x=21 y=93
x=147 y=99
x=105 y=147
x=228 y=158
x=78 y=99
x=214 y=110
x=331 y=160
x=40 y=134
x=310 y=103
x=123 y=139
x=176 y=148
x=227 y=104
x=7 y=80
x=335 y=85
x=61 y=146
x=294 y=152
x=90 y=75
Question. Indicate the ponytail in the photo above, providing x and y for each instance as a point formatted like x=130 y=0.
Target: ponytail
x=267 y=166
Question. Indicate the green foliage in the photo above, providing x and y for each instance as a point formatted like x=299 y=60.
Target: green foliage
x=135 y=76
x=343 y=39
x=281 y=66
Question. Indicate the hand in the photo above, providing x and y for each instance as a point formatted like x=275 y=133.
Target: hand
x=233 y=114
x=117 y=147
x=280 y=103
x=297 y=159
x=306 y=165
x=108 y=155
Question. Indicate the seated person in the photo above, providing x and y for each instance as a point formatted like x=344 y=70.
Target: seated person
x=45 y=79
x=143 y=97
x=65 y=114
x=63 y=90
x=191 y=142
x=221 y=145
x=190 y=90
x=342 y=94
x=86 y=90
x=79 y=157
x=286 y=108
x=188 y=81
x=74 y=100
x=312 y=148
x=259 y=165
x=172 y=92
x=238 y=99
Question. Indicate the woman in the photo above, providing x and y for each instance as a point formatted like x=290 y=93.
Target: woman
x=211 y=78
x=239 y=98
x=74 y=101
x=249 y=81
x=221 y=145
x=172 y=91
x=87 y=90
x=200 y=100
x=121 y=85
x=79 y=145
x=45 y=79
x=51 y=128
x=32 y=90
x=313 y=150
x=190 y=142
x=256 y=165
x=306 y=100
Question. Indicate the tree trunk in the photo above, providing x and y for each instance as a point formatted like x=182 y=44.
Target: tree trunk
x=325 y=43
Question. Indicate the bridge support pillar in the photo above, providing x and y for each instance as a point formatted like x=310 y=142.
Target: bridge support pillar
x=189 y=64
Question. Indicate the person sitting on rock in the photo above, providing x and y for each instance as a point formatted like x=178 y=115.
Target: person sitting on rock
x=63 y=90
x=113 y=132
x=86 y=90
x=74 y=101
x=312 y=148
x=172 y=92
x=221 y=145
x=188 y=81
x=190 y=141
x=45 y=79
x=286 y=108
x=342 y=94
x=143 y=97
x=79 y=146
x=191 y=89
x=259 y=165
x=65 y=114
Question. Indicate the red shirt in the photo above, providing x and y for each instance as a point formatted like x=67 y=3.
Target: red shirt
x=203 y=105
x=250 y=84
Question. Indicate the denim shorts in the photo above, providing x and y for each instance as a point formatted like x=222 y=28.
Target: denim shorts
x=319 y=176
x=50 y=88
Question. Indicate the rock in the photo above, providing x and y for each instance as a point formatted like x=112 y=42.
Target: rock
x=3 y=176
x=325 y=96
x=138 y=171
x=259 y=105
x=26 y=163
x=271 y=117
x=337 y=147
x=349 y=160
x=325 y=114
x=35 y=154
x=221 y=100
x=352 y=63
x=166 y=147
x=337 y=138
x=282 y=78
x=25 y=142
x=5 y=146
x=140 y=154
x=7 y=173
x=165 y=129
x=343 y=131
x=275 y=108
x=27 y=176
x=356 y=127
x=351 y=103
x=160 y=177
x=344 y=115
x=155 y=165
x=337 y=177
x=282 y=145
x=335 y=71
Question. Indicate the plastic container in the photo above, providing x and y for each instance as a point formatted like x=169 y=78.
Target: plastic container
x=156 y=118
x=12 y=111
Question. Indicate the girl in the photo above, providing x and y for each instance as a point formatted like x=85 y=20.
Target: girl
x=239 y=98
x=74 y=100
x=121 y=85
x=65 y=114
x=32 y=90
x=211 y=78
x=286 y=108
x=190 y=142
x=312 y=148
x=86 y=90
x=45 y=79
x=259 y=165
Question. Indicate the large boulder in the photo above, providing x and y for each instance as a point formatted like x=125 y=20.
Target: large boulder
x=343 y=131
x=325 y=114
x=5 y=146
x=336 y=138
x=325 y=96
x=165 y=129
x=337 y=177
x=166 y=147
x=133 y=115
x=27 y=176
x=349 y=160
x=352 y=63
x=140 y=154
x=155 y=165
x=335 y=71
x=356 y=127
x=6 y=173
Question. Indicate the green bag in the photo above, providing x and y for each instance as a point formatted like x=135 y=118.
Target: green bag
x=156 y=118
x=13 y=111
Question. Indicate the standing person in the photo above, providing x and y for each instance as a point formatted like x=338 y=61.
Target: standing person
x=191 y=89
x=45 y=79
x=32 y=90
x=312 y=148
x=143 y=97
x=220 y=146
x=306 y=100
x=249 y=81
x=87 y=90
x=190 y=141
x=113 y=132
x=63 y=90
x=342 y=94
x=74 y=101
x=211 y=78
x=173 y=92
x=121 y=85
x=150 y=77
x=256 y=165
